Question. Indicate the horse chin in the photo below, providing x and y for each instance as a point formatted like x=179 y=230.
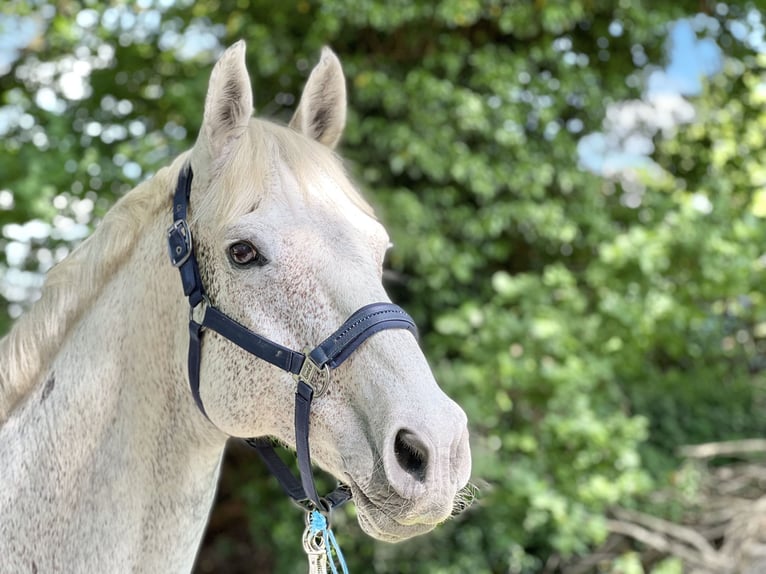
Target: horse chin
x=379 y=524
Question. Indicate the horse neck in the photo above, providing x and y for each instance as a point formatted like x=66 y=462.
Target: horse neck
x=115 y=400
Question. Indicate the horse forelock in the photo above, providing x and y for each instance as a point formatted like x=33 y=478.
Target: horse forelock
x=243 y=177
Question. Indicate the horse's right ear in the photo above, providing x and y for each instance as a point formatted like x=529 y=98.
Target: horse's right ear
x=228 y=104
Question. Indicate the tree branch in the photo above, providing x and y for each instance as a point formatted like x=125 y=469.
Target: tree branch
x=713 y=449
x=716 y=564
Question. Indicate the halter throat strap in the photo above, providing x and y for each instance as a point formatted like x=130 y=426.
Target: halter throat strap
x=311 y=370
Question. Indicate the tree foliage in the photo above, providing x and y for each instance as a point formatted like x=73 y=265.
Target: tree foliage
x=588 y=324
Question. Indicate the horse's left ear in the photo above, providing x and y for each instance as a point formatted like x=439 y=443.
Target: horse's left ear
x=321 y=114
x=229 y=101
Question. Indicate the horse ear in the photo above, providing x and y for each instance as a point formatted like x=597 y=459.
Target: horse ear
x=321 y=114
x=229 y=101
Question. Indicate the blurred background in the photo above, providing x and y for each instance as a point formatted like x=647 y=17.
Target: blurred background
x=576 y=191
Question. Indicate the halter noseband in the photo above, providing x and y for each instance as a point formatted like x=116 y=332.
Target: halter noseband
x=311 y=370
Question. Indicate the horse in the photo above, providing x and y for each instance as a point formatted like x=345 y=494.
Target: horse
x=108 y=462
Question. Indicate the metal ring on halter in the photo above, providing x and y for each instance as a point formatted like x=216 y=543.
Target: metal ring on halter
x=201 y=306
x=308 y=505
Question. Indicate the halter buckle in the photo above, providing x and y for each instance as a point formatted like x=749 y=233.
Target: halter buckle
x=318 y=378
x=179 y=242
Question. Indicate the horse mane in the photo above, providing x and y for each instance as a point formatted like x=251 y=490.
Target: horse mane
x=27 y=350
x=70 y=286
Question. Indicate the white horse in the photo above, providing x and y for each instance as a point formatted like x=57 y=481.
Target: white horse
x=106 y=463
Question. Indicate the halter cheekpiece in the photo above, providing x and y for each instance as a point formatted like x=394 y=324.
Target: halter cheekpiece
x=311 y=370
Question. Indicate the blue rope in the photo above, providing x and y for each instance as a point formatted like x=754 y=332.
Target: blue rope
x=319 y=524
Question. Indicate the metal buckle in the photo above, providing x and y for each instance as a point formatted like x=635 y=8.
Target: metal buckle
x=179 y=242
x=318 y=378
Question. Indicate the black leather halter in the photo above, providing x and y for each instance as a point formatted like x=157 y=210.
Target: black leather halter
x=311 y=370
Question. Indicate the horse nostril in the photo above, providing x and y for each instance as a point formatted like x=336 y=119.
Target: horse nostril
x=411 y=454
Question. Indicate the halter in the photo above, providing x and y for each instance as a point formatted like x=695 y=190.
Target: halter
x=311 y=370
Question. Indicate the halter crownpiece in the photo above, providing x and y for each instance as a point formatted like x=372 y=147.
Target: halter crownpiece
x=311 y=370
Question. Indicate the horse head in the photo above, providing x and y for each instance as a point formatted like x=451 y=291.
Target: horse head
x=287 y=247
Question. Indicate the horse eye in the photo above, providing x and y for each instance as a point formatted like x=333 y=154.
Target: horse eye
x=243 y=253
